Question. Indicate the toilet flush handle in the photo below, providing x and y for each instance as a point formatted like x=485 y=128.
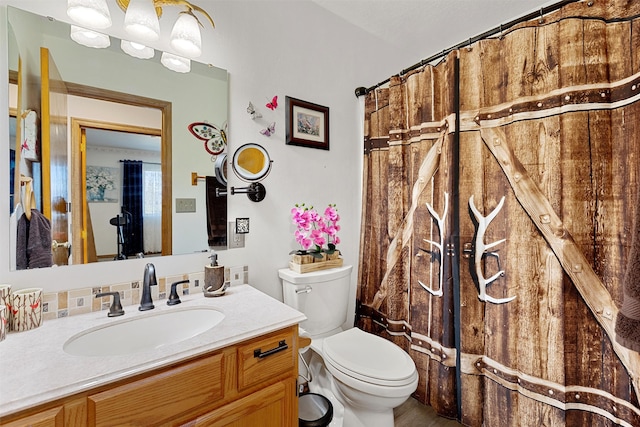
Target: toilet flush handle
x=306 y=290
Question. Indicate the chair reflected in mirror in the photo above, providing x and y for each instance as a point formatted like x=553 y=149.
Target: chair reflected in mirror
x=119 y=221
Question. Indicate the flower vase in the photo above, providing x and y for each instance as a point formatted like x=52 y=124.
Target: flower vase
x=321 y=257
x=334 y=255
x=302 y=259
x=309 y=263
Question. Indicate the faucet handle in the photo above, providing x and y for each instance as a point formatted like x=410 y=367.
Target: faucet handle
x=173 y=296
x=116 y=306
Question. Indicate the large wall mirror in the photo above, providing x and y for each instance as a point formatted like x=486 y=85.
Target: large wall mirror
x=108 y=110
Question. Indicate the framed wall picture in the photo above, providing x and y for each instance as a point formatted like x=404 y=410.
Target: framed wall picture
x=103 y=184
x=307 y=124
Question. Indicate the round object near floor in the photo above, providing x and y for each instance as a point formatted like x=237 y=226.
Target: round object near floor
x=314 y=410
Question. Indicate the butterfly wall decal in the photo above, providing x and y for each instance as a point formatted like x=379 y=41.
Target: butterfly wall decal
x=214 y=139
x=270 y=130
x=252 y=112
x=273 y=104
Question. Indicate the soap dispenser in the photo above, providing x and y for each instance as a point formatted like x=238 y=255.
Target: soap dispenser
x=213 y=274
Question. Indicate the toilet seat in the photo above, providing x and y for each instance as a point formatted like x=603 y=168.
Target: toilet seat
x=369 y=358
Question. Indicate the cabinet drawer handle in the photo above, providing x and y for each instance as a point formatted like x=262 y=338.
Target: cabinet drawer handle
x=282 y=345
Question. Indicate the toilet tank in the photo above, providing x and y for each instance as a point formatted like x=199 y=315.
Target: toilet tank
x=322 y=296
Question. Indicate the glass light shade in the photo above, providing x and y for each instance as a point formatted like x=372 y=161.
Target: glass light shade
x=89 y=38
x=141 y=20
x=185 y=36
x=175 y=63
x=136 y=50
x=90 y=13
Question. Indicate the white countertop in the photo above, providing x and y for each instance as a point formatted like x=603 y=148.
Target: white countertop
x=34 y=369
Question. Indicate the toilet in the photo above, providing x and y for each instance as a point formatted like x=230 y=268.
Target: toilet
x=363 y=375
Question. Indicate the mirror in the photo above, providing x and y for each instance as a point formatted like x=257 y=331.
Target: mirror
x=110 y=76
x=251 y=163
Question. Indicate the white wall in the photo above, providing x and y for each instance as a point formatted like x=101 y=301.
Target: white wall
x=268 y=50
x=285 y=48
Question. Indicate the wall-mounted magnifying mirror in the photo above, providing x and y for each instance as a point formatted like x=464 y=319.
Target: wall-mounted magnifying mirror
x=251 y=163
x=221 y=169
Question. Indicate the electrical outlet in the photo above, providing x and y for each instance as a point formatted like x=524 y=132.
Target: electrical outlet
x=236 y=275
x=235 y=240
x=185 y=205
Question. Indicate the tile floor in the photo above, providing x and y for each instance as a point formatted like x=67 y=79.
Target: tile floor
x=414 y=414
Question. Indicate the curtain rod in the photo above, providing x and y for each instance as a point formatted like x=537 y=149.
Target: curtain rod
x=499 y=29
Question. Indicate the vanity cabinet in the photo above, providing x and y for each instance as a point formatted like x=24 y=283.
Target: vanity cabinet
x=53 y=417
x=269 y=407
x=247 y=384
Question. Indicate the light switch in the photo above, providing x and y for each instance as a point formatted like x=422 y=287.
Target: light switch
x=185 y=205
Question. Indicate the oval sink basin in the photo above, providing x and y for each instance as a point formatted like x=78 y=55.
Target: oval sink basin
x=143 y=333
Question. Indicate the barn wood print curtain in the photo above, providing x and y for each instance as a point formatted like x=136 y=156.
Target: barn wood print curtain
x=495 y=240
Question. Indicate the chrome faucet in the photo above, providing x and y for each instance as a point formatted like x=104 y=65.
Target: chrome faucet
x=146 y=303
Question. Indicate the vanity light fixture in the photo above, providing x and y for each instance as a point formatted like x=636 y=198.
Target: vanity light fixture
x=175 y=63
x=185 y=35
x=137 y=50
x=90 y=13
x=141 y=22
x=89 y=38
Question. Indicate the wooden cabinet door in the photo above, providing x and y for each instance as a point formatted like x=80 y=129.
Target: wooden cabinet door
x=273 y=406
x=53 y=417
x=161 y=397
x=266 y=358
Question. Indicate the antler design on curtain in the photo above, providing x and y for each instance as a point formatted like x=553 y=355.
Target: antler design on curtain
x=480 y=250
x=439 y=245
x=403 y=235
x=573 y=261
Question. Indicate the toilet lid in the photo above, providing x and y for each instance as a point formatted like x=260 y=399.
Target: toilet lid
x=368 y=357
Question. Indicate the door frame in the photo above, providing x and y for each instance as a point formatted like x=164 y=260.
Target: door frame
x=79 y=234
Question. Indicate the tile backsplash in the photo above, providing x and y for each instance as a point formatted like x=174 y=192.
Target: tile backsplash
x=81 y=301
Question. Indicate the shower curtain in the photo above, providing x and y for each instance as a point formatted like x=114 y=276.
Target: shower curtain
x=499 y=198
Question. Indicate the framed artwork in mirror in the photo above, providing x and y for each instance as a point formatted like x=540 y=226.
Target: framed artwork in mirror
x=103 y=184
x=307 y=124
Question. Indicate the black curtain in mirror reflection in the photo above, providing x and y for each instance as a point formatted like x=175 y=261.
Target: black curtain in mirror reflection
x=132 y=204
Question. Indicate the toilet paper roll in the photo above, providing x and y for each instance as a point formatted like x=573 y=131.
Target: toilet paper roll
x=6 y=300
x=3 y=322
x=26 y=309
